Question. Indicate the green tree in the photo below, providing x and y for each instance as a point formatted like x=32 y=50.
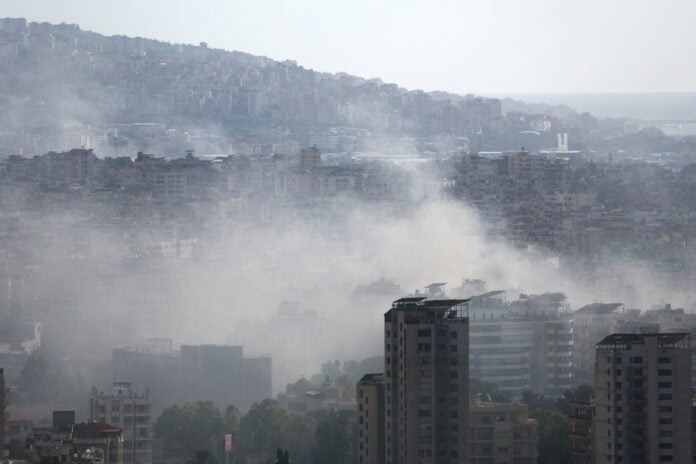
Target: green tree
x=554 y=437
x=186 y=429
x=300 y=387
x=231 y=420
x=17 y=449
x=552 y=425
x=268 y=426
x=202 y=456
x=335 y=437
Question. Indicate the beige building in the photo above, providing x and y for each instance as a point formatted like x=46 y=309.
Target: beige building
x=426 y=381
x=581 y=422
x=132 y=411
x=502 y=433
x=370 y=403
x=643 y=399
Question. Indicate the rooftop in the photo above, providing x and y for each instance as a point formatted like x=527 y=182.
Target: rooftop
x=664 y=340
x=599 y=308
x=371 y=379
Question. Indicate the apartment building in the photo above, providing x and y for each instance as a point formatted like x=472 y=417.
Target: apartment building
x=524 y=345
x=502 y=433
x=370 y=402
x=426 y=381
x=131 y=410
x=643 y=399
x=581 y=422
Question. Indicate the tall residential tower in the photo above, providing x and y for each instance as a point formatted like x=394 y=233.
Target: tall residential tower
x=643 y=399
x=426 y=381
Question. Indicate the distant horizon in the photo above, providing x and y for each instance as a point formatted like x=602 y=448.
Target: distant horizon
x=648 y=106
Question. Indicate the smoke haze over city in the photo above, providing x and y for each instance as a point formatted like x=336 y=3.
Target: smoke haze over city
x=226 y=215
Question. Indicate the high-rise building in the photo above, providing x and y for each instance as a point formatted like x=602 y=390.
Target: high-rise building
x=132 y=411
x=523 y=345
x=370 y=402
x=643 y=399
x=426 y=381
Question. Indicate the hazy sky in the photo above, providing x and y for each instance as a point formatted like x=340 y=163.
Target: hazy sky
x=483 y=46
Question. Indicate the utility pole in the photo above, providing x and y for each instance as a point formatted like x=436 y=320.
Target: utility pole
x=134 y=429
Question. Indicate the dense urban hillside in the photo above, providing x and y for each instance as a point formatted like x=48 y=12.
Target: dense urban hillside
x=62 y=88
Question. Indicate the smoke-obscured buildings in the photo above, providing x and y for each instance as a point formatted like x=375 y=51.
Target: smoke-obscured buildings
x=221 y=374
x=523 y=345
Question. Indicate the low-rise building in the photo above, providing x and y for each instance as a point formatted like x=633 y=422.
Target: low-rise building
x=66 y=441
x=132 y=411
x=502 y=433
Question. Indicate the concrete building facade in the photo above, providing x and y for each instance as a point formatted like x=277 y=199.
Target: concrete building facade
x=502 y=433
x=370 y=402
x=426 y=381
x=132 y=411
x=66 y=441
x=518 y=349
x=643 y=399
x=581 y=422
